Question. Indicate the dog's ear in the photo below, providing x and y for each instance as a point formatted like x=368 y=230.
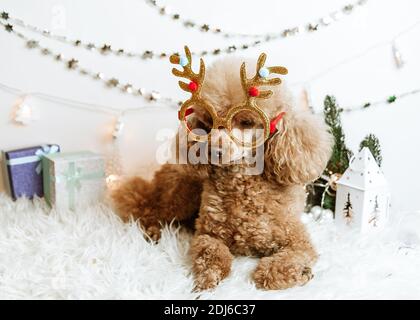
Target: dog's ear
x=299 y=152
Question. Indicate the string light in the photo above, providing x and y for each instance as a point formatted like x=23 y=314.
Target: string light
x=118 y=127
x=389 y=100
x=119 y=113
x=113 y=166
x=25 y=113
x=70 y=103
x=306 y=97
x=358 y=56
x=398 y=58
x=112 y=181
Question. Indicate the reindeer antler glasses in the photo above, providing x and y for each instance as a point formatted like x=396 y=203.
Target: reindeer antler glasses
x=249 y=105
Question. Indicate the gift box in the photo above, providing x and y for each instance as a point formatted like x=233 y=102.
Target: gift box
x=22 y=170
x=73 y=180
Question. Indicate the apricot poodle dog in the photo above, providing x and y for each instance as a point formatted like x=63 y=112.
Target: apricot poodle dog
x=234 y=212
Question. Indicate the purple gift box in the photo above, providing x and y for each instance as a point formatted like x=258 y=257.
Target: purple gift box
x=22 y=170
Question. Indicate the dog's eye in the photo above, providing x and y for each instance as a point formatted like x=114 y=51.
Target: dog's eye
x=247 y=123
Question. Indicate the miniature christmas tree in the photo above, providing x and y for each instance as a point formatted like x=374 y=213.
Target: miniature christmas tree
x=348 y=210
x=375 y=214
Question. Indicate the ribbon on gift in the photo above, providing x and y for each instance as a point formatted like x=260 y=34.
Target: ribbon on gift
x=73 y=178
x=41 y=152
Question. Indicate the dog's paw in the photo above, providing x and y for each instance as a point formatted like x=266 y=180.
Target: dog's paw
x=212 y=261
x=307 y=275
x=207 y=279
x=152 y=232
x=273 y=273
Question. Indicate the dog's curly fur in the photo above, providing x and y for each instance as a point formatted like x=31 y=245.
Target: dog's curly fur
x=239 y=214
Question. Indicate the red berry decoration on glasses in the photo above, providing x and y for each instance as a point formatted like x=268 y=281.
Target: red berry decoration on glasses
x=193 y=86
x=254 y=92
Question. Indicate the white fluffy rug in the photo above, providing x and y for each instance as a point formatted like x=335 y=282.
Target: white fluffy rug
x=91 y=254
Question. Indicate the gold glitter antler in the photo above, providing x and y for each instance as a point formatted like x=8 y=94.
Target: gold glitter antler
x=250 y=86
x=196 y=79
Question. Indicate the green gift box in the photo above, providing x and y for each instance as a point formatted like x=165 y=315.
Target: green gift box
x=73 y=180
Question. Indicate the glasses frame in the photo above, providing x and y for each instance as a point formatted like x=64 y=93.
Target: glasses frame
x=225 y=122
x=249 y=86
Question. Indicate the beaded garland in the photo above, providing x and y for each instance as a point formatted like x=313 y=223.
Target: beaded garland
x=312 y=26
x=254 y=40
x=73 y=64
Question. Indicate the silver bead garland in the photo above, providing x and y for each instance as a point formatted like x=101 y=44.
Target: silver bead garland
x=265 y=37
x=150 y=54
x=74 y=65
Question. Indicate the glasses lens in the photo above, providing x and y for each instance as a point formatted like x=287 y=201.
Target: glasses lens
x=248 y=128
x=198 y=121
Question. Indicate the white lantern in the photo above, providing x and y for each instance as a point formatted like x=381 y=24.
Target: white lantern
x=363 y=198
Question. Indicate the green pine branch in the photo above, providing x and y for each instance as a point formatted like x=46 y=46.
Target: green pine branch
x=372 y=142
x=341 y=155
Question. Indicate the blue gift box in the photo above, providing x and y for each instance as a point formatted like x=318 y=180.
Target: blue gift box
x=22 y=170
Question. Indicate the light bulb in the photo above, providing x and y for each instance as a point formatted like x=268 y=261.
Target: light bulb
x=25 y=113
x=112 y=181
x=25 y=110
x=306 y=98
x=118 y=128
x=398 y=57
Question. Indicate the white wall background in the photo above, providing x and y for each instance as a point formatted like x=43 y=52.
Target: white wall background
x=133 y=24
